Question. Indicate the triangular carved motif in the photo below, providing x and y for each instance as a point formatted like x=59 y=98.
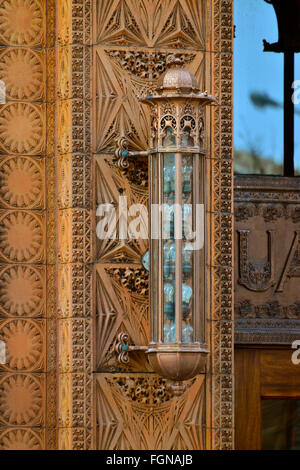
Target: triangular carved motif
x=118 y=111
x=183 y=27
x=110 y=186
x=171 y=424
x=151 y=23
x=108 y=416
x=106 y=301
x=117 y=24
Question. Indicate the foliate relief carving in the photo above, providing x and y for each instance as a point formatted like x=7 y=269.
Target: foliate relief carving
x=189 y=109
x=22 y=291
x=22 y=129
x=22 y=71
x=73 y=126
x=272 y=309
x=269 y=212
x=244 y=211
x=265 y=193
x=21 y=400
x=22 y=22
x=223 y=25
x=222 y=397
x=272 y=213
x=222 y=181
x=65 y=241
x=21 y=237
x=65 y=401
x=150 y=390
x=64 y=280
x=135 y=280
x=223 y=239
x=75 y=249
x=146 y=65
x=137 y=174
x=22 y=183
x=64 y=346
x=266 y=331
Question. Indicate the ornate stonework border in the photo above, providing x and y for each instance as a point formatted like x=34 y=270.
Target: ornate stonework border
x=73 y=64
x=222 y=422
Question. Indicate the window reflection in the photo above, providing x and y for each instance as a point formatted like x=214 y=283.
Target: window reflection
x=281 y=424
x=297 y=115
x=258 y=91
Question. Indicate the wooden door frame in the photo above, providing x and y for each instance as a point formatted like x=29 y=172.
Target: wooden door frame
x=260 y=372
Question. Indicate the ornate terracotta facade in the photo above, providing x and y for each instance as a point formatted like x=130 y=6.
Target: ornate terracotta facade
x=27 y=296
x=72 y=71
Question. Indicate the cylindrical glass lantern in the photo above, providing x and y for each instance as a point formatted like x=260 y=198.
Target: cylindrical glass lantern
x=177 y=248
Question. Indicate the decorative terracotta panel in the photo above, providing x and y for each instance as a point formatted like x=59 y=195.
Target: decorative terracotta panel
x=147 y=32
x=26 y=326
x=138 y=411
x=74 y=225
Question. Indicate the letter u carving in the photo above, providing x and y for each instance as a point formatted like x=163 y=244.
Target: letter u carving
x=257 y=277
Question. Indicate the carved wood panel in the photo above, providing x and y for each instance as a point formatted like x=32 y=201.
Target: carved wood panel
x=132 y=40
x=267 y=300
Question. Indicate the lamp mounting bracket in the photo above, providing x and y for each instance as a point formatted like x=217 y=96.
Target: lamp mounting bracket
x=122 y=348
x=122 y=153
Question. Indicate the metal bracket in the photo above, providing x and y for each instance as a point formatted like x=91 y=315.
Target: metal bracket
x=122 y=348
x=122 y=153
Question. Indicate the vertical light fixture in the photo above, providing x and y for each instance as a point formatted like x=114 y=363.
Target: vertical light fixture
x=178 y=346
